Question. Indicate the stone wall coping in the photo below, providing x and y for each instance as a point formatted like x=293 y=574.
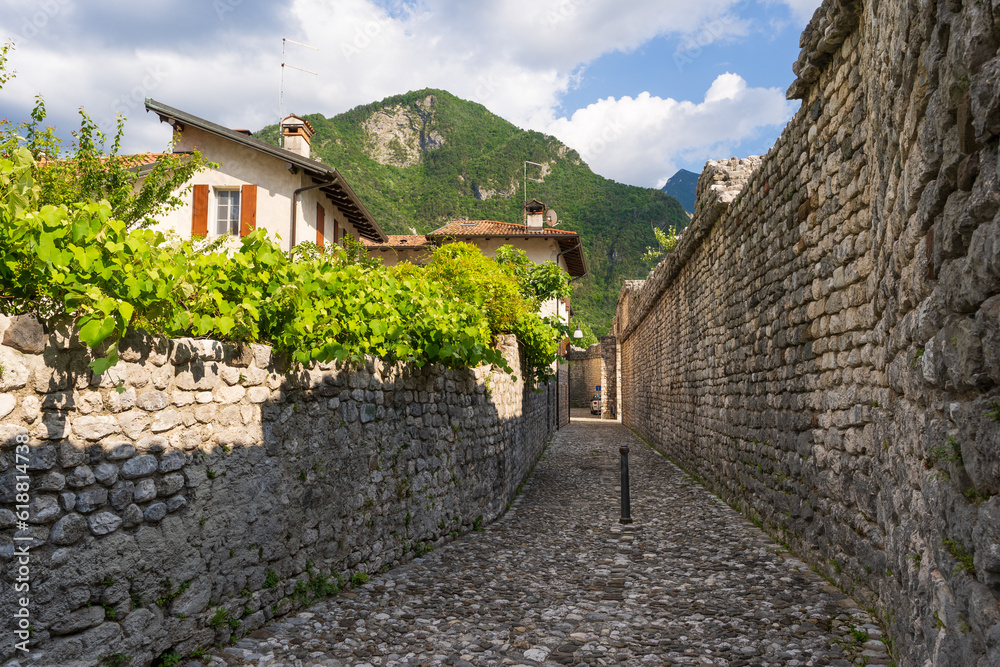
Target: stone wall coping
x=719 y=186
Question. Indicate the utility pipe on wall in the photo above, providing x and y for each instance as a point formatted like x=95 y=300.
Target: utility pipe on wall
x=295 y=208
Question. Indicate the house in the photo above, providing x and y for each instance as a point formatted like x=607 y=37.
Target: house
x=282 y=190
x=541 y=244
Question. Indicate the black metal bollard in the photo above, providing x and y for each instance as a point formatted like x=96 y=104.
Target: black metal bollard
x=626 y=499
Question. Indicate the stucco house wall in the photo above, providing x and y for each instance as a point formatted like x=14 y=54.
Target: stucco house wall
x=242 y=165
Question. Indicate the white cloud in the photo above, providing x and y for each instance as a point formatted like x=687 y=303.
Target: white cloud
x=640 y=140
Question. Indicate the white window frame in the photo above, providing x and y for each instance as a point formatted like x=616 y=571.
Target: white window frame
x=233 y=226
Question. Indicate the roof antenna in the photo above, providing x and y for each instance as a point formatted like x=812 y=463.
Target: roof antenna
x=281 y=88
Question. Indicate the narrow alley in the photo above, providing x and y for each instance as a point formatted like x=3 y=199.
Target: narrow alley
x=557 y=580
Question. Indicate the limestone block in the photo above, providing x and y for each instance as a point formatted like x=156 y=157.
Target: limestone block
x=182 y=398
x=152 y=401
x=258 y=395
x=137 y=376
x=175 y=503
x=52 y=481
x=79 y=620
x=230 y=375
x=169 y=484
x=122 y=494
x=132 y=516
x=155 y=512
x=95 y=428
x=106 y=474
x=119 y=450
x=88 y=501
x=43 y=509
x=172 y=460
x=25 y=334
x=7 y=404
x=121 y=402
x=67 y=501
x=53 y=426
x=82 y=476
x=103 y=523
x=165 y=420
x=140 y=466
x=181 y=350
x=210 y=350
x=197 y=376
x=988 y=323
x=145 y=490
x=16 y=371
x=226 y=394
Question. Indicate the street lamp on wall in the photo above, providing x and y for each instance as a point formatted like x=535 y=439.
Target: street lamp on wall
x=578 y=333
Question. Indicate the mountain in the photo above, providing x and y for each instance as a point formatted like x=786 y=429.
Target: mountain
x=427 y=157
x=681 y=186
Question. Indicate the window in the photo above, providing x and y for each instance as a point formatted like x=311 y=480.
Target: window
x=227 y=216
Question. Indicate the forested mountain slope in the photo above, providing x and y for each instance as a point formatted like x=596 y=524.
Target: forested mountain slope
x=421 y=159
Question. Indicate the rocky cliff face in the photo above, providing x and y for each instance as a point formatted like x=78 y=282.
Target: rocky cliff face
x=397 y=136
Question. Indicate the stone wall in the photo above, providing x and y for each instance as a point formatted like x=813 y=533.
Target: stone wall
x=823 y=347
x=609 y=377
x=219 y=488
x=585 y=374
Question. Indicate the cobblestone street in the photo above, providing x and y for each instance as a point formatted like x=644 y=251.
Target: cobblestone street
x=558 y=581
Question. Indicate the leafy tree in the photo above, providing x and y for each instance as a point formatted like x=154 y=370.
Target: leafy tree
x=539 y=282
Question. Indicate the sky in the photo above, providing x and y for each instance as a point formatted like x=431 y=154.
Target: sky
x=639 y=89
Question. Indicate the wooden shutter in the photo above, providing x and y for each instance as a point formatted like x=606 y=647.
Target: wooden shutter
x=320 y=224
x=199 y=211
x=336 y=231
x=248 y=209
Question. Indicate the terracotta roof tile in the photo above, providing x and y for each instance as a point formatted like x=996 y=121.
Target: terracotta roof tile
x=494 y=228
x=401 y=241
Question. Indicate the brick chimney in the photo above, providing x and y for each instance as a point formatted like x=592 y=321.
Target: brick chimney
x=297 y=135
x=534 y=215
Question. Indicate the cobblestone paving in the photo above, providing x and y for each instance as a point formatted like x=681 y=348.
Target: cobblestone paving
x=558 y=581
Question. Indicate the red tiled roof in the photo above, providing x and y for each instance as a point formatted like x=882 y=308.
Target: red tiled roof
x=131 y=160
x=401 y=241
x=570 y=244
x=494 y=228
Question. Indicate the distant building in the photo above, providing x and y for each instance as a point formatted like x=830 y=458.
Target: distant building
x=257 y=184
x=541 y=244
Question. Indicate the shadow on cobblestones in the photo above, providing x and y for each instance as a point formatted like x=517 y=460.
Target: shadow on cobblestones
x=558 y=581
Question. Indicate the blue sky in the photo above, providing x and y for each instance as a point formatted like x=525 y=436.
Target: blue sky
x=639 y=89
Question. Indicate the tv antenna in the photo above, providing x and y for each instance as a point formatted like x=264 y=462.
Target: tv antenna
x=281 y=88
x=536 y=180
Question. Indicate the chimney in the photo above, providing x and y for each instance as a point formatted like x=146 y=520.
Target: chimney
x=534 y=215
x=296 y=135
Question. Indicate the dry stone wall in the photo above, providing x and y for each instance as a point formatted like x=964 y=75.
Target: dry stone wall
x=823 y=347
x=585 y=374
x=198 y=489
x=609 y=377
